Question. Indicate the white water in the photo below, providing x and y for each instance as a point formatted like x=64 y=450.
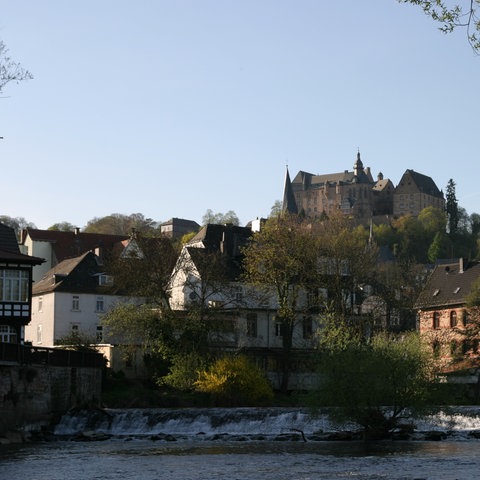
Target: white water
x=459 y=422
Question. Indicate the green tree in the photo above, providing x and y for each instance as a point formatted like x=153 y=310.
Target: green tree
x=440 y=247
x=452 y=208
x=375 y=383
x=235 y=381
x=10 y=71
x=281 y=260
x=120 y=224
x=453 y=16
x=62 y=227
x=220 y=218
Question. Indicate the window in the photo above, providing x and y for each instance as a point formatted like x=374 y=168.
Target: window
x=75 y=329
x=464 y=318
x=436 y=320
x=40 y=304
x=436 y=349
x=279 y=329
x=307 y=328
x=100 y=305
x=105 y=280
x=251 y=325
x=8 y=334
x=14 y=285
x=75 y=303
x=39 y=334
x=99 y=335
x=238 y=294
x=453 y=318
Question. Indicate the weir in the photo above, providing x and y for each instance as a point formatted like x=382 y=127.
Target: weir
x=461 y=422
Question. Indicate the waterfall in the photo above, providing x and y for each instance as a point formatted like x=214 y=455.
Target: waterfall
x=267 y=422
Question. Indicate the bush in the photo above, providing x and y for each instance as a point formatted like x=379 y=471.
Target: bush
x=235 y=381
x=375 y=383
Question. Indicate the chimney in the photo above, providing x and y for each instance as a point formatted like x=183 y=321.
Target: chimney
x=460 y=265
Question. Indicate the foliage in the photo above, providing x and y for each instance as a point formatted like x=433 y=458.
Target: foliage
x=79 y=342
x=10 y=71
x=373 y=383
x=120 y=224
x=451 y=17
x=452 y=207
x=282 y=259
x=235 y=381
x=62 y=227
x=276 y=209
x=220 y=218
x=183 y=371
x=145 y=269
x=17 y=223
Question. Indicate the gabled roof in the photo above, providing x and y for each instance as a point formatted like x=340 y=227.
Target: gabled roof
x=182 y=222
x=72 y=244
x=9 y=250
x=75 y=275
x=448 y=285
x=413 y=182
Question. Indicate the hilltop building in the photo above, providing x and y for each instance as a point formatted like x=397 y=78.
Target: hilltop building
x=357 y=194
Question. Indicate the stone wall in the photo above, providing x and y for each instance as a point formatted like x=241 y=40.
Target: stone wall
x=32 y=396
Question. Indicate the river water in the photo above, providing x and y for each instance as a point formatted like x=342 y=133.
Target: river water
x=240 y=444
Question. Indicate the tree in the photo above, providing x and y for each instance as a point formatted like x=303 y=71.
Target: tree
x=62 y=227
x=281 y=259
x=10 y=71
x=120 y=224
x=452 y=208
x=374 y=383
x=451 y=17
x=17 y=223
x=220 y=218
x=276 y=208
x=235 y=381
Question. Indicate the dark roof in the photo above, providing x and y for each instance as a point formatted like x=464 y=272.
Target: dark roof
x=72 y=244
x=448 y=285
x=182 y=222
x=9 y=250
x=76 y=275
x=419 y=183
x=226 y=238
x=289 y=204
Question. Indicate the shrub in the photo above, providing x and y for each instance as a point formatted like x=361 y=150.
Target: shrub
x=235 y=381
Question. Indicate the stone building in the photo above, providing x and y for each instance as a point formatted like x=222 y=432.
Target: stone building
x=357 y=194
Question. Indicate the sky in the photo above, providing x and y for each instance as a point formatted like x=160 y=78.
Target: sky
x=172 y=107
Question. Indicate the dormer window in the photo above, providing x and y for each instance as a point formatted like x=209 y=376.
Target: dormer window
x=436 y=292
x=105 y=280
x=456 y=290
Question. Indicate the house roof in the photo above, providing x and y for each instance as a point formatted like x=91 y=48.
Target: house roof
x=448 y=285
x=225 y=239
x=76 y=275
x=413 y=182
x=9 y=250
x=72 y=244
x=182 y=222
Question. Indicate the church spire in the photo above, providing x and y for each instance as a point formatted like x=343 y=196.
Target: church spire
x=289 y=204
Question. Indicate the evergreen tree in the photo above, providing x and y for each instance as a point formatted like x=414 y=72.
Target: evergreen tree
x=452 y=208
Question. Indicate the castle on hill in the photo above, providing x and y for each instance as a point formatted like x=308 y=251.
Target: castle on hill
x=357 y=194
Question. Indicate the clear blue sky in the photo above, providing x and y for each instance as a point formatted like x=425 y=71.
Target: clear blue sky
x=170 y=108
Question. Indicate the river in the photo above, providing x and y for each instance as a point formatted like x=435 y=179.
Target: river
x=240 y=444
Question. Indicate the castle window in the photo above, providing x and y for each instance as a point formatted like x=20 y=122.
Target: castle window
x=436 y=320
x=453 y=318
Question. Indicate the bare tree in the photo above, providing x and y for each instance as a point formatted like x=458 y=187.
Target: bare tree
x=10 y=71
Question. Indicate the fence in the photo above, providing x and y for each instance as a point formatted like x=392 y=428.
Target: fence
x=28 y=355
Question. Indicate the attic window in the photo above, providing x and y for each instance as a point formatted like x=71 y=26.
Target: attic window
x=456 y=290
x=105 y=280
x=436 y=292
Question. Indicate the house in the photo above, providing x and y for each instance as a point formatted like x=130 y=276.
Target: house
x=15 y=287
x=442 y=310
x=177 y=227
x=70 y=299
x=208 y=278
x=55 y=246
